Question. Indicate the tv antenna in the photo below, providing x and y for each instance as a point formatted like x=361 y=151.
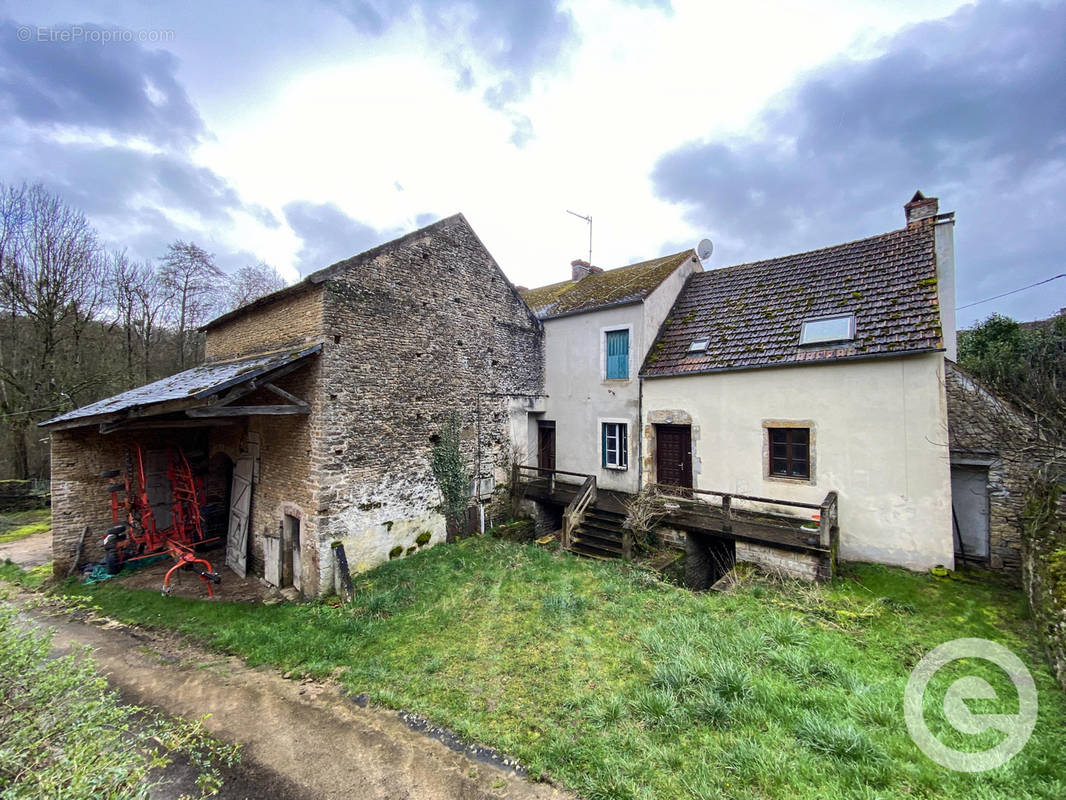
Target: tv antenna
x=589 y=221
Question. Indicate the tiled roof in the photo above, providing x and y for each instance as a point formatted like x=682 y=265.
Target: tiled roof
x=613 y=287
x=752 y=313
x=196 y=383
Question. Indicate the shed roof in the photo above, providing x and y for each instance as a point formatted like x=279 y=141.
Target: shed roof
x=198 y=383
x=614 y=287
x=752 y=313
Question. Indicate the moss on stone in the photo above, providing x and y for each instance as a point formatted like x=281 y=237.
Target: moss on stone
x=423 y=538
x=395 y=552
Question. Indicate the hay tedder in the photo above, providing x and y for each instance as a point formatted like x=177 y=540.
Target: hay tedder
x=135 y=536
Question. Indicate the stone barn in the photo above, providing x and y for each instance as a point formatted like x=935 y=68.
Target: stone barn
x=314 y=415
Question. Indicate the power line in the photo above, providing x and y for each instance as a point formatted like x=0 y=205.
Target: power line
x=1012 y=291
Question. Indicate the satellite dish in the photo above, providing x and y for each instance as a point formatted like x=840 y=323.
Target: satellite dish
x=704 y=249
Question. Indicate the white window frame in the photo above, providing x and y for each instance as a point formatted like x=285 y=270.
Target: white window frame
x=619 y=451
x=603 y=354
x=804 y=342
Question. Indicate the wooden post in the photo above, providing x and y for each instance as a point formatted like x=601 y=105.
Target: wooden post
x=627 y=544
x=727 y=513
x=826 y=519
x=343 y=576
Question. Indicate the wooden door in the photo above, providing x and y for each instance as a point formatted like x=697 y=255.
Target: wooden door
x=546 y=445
x=673 y=455
x=239 y=509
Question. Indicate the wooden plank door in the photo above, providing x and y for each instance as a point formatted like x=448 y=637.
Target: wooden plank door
x=546 y=445
x=239 y=509
x=673 y=455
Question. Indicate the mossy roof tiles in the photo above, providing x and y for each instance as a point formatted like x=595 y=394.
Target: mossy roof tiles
x=613 y=287
x=752 y=313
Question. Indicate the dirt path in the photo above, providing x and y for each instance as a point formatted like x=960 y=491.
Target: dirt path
x=29 y=552
x=302 y=740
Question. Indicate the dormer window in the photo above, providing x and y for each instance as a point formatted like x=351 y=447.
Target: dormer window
x=828 y=329
x=699 y=346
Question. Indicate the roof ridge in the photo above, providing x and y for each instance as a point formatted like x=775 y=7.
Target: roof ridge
x=764 y=261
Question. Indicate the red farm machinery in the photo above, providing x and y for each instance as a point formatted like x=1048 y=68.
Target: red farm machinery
x=135 y=535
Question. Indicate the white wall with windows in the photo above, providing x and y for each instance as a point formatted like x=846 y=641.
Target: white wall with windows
x=874 y=430
x=591 y=362
x=596 y=415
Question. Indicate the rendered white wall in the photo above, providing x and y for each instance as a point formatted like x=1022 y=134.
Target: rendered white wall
x=879 y=439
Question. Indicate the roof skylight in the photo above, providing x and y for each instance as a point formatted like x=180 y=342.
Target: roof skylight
x=699 y=345
x=828 y=329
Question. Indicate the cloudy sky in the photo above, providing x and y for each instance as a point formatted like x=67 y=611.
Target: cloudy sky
x=299 y=137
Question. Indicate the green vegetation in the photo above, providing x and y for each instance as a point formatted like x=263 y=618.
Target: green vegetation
x=449 y=470
x=20 y=524
x=1027 y=364
x=27 y=579
x=64 y=734
x=623 y=686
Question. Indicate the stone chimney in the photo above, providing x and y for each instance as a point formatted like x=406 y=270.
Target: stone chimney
x=579 y=268
x=920 y=207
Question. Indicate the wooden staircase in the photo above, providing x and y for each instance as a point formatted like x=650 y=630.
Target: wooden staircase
x=601 y=535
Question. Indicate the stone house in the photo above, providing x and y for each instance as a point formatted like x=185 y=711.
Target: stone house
x=323 y=401
x=800 y=400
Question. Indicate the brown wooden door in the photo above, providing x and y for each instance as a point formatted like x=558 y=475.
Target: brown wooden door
x=546 y=445
x=673 y=455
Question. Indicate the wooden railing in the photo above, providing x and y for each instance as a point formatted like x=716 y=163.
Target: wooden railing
x=827 y=516
x=575 y=510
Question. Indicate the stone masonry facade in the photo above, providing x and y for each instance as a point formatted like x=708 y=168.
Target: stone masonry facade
x=412 y=332
x=417 y=332
x=982 y=425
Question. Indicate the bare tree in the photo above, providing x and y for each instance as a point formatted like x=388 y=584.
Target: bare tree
x=252 y=282
x=50 y=269
x=189 y=275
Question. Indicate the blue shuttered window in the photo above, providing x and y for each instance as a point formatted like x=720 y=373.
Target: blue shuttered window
x=617 y=355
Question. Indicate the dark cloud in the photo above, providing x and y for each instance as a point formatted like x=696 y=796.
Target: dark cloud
x=971 y=108
x=118 y=87
x=329 y=235
x=122 y=96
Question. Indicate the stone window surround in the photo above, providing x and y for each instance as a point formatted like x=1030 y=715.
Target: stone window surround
x=767 y=424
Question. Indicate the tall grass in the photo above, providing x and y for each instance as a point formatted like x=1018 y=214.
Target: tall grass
x=620 y=685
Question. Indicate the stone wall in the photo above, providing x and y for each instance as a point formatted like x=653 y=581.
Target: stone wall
x=786 y=563
x=80 y=498
x=416 y=331
x=287 y=322
x=980 y=424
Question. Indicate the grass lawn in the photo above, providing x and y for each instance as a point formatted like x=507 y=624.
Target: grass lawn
x=622 y=686
x=16 y=525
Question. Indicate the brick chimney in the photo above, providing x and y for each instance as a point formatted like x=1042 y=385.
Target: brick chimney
x=920 y=207
x=579 y=268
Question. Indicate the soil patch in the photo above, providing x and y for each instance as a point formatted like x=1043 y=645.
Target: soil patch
x=29 y=552
x=302 y=739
